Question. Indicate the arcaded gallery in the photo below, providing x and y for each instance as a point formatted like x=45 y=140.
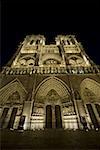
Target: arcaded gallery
x=52 y=85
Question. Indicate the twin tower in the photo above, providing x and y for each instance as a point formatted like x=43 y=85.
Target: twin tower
x=50 y=86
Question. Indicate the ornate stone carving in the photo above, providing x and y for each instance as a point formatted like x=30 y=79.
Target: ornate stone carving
x=38 y=111
x=52 y=95
x=68 y=110
x=75 y=60
x=14 y=98
x=51 y=62
x=89 y=95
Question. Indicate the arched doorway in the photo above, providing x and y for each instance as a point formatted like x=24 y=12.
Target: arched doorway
x=53 y=117
x=54 y=97
x=90 y=94
x=12 y=97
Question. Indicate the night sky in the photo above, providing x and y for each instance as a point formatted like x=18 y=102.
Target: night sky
x=19 y=19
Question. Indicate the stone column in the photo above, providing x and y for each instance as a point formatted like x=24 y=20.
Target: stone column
x=27 y=110
x=63 y=57
x=81 y=108
x=77 y=113
x=17 y=118
x=53 y=117
x=40 y=57
x=16 y=122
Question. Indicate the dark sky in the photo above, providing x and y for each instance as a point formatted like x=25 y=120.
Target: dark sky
x=20 y=18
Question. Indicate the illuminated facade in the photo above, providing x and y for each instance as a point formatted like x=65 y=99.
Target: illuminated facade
x=50 y=86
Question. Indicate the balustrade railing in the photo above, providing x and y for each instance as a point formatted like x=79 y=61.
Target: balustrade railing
x=51 y=70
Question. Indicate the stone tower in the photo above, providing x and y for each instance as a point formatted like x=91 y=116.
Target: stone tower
x=50 y=86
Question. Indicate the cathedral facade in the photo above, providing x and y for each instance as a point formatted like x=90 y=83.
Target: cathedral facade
x=50 y=86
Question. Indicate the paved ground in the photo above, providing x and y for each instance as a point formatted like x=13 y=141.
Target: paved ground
x=50 y=139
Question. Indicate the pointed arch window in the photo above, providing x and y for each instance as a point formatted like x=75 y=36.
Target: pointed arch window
x=68 y=42
x=31 y=42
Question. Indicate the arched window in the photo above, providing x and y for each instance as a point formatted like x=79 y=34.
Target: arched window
x=63 y=42
x=68 y=42
x=37 y=42
x=31 y=42
x=73 y=42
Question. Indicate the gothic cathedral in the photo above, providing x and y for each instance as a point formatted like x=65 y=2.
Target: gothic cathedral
x=50 y=86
